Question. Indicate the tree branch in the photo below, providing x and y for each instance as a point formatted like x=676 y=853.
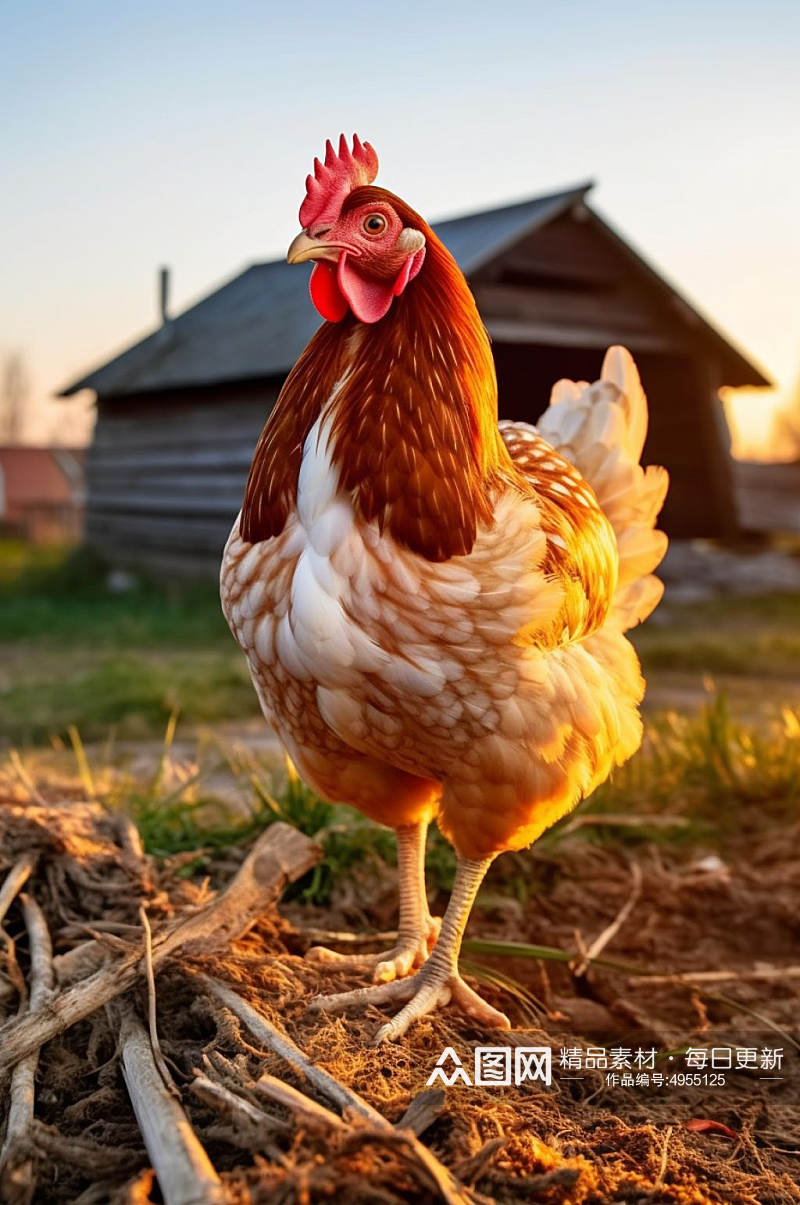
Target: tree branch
x=436 y=1175
x=17 y=1177
x=281 y=855
x=185 y=1172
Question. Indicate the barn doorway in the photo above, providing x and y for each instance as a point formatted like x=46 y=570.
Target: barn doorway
x=687 y=433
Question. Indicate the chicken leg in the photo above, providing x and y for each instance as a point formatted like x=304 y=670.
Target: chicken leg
x=417 y=929
x=438 y=981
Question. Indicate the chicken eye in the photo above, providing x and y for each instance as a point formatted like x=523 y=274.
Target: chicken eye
x=374 y=223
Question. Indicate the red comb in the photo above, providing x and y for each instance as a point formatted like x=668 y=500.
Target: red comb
x=335 y=178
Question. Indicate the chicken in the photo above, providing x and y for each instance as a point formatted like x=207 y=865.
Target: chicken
x=432 y=604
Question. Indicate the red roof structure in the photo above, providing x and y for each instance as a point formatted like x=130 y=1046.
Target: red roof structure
x=42 y=492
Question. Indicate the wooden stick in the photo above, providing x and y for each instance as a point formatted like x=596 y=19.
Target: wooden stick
x=185 y=1172
x=14 y=881
x=436 y=1174
x=310 y=1114
x=662 y=1171
x=765 y=973
x=235 y=1108
x=622 y=820
x=160 y=1061
x=92 y=1157
x=268 y=1035
x=322 y=937
x=22 y=1036
x=600 y=942
x=130 y=840
x=17 y=1178
x=423 y=1111
x=79 y=962
x=116 y=927
x=472 y=1168
x=281 y=855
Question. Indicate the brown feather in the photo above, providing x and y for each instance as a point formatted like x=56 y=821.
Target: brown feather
x=271 y=490
x=415 y=436
x=581 y=546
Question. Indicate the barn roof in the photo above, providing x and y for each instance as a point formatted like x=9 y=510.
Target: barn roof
x=257 y=324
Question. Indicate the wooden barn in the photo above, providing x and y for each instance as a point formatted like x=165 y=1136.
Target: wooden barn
x=178 y=414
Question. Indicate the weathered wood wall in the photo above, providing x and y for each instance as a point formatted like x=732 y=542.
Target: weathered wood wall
x=768 y=496
x=555 y=301
x=166 y=474
x=567 y=285
x=682 y=436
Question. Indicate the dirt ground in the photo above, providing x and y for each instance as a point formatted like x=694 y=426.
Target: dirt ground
x=579 y=1141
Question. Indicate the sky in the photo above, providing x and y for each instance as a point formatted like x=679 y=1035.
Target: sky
x=181 y=134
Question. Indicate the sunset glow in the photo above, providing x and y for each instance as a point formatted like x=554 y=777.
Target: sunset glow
x=192 y=162
x=751 y=417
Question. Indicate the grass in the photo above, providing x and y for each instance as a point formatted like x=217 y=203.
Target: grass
x=186 y=820
x=134 y=691
x=57 y=595
x=737 y=636
x=709 y=769
x=706 y=769
x=72 y=651
x=220 y=798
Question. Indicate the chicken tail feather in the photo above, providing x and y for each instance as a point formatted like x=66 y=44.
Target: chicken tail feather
x=601 y=429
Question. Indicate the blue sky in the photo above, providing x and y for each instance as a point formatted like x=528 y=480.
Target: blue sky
x=181 y=134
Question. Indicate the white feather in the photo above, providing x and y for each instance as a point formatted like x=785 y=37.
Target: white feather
x=601 y=429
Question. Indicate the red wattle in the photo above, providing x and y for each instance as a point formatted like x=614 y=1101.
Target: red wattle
x=326 y=294
x=369 y=300
x=335 y=291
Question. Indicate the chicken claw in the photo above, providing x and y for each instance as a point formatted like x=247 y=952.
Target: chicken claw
x=417 y=930
x=424 y=992
x=438 y=982
x=409 y=953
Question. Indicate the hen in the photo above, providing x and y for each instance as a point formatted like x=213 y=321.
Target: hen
x=432 y=604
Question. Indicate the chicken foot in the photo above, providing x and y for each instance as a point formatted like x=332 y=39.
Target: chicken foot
x=417 y=929
x=438 y=982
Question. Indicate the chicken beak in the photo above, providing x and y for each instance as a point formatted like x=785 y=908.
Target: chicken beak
x=304 y=248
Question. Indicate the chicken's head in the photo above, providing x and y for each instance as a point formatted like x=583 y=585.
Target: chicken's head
x=366 y=251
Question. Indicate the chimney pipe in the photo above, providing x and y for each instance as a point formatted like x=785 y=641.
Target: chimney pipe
x=163 y=295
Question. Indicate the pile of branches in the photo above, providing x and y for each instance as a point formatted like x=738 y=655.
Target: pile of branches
x=105 y=979
x=153 y=1047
